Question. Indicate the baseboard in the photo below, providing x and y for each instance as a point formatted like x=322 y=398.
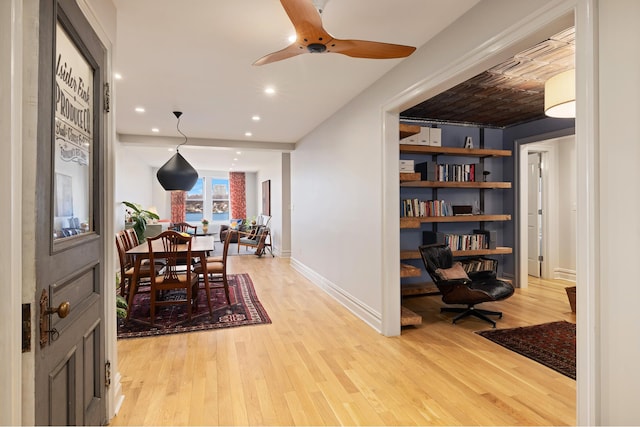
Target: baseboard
x=355 y=306
x=118 y=397
x=564 y=274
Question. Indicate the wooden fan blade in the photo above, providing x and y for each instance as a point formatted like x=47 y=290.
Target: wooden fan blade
x=287 y=52
x=306 y=20
x=369 y=49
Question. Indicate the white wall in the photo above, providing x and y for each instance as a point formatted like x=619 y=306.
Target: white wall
x=133 y=183
x=567 y=210
x=272 y=171
x=619 y=328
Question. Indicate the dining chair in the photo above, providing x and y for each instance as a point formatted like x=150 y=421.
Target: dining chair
x=184 y=227
x=216 y=268
x=127 y=265
x=173 y=246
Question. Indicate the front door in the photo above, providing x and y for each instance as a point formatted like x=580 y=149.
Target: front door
x=70 y=329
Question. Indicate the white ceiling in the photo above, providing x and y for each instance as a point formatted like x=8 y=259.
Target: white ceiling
x=195 y=56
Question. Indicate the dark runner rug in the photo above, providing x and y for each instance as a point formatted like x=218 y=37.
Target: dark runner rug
x=245 y=309
x=552 y=344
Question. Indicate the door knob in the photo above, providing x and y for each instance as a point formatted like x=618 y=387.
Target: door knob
x=45 y=311
x=62 y=310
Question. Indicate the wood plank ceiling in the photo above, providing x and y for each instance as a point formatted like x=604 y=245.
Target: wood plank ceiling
x=508 y=94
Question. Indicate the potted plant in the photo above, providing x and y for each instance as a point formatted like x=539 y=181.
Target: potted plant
x=139 y=217
x=205 y=225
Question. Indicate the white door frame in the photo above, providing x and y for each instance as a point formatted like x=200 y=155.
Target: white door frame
x=585 y=16
x=547 y=145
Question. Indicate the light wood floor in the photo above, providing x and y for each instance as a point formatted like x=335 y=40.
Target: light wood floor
x=317 y=364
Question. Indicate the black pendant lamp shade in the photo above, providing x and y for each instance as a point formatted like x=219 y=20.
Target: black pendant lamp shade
x=177 y=174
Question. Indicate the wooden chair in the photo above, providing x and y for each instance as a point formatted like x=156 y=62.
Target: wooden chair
x=216 y=267
x=126 y=265
x=184 y=227
x=258 y=238
x=172 y=277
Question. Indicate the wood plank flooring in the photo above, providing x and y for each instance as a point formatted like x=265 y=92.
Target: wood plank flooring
x=317 y=364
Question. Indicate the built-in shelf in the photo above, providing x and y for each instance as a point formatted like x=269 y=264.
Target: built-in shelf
x=414 y=254
x=455 y=184
x=414 y=289
x=414 y=222
x=407 y=270
x=453 y=151
x=408 y=130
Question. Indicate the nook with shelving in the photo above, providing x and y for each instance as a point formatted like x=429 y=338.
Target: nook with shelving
x=470 y=192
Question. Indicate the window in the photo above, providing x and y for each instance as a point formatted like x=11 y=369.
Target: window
x=220 y=199
x=195 y=202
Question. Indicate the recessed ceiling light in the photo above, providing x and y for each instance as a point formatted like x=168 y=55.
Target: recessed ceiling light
x=238 y=152
x=269 y=90
x=170 y=150
x=139 y=110
x=248 y=134
x=255 y=118
x=155 y=130
x=235 y=159
x=117 y=76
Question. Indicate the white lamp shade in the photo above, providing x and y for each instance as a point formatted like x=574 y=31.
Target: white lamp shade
x=560 y=95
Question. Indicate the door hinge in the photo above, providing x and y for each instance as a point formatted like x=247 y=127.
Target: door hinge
x=26 y=328
x=539 y=211
x=107 y=374
x=107 y=98
x=540 y=258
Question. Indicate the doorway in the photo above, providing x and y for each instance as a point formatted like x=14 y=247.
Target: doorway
x=547 y=238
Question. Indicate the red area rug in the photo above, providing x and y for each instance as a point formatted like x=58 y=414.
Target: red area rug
x=245 y=309
x=552 y=344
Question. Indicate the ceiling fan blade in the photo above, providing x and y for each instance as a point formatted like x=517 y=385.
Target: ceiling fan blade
x=306 y=20
x=369 y=49
x=287 y=52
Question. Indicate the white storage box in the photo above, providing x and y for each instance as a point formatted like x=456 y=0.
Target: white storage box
x=435 y=137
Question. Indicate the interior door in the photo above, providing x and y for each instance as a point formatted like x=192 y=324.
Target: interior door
x=70 y=332
x=534 y=215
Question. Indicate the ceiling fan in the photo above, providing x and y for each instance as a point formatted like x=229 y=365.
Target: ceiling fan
x=313 y=38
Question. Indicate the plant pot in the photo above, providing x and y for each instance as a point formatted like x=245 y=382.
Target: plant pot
x=571 y=294
x=205 y=229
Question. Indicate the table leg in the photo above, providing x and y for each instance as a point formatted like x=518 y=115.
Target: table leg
x=203 y=263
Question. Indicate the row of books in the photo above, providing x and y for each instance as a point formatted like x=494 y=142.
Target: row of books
x=473 y=265
x=459 y=242
x=458 y=173
x=445 y=172
x=418 y=208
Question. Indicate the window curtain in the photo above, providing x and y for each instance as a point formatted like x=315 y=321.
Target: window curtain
x=178 y=206
x=237 y=195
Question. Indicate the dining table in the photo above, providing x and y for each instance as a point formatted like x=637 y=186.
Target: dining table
x=201 y=246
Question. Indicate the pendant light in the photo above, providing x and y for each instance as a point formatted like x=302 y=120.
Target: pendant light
x=177 y=174
x=560 y=95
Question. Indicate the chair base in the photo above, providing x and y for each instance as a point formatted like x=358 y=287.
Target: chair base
x=472 y=311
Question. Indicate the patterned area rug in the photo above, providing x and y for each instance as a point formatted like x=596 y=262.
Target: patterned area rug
x=245 y=309
x=552 y=344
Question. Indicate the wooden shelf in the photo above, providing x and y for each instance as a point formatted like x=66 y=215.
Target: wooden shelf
x=414 y=254
x=415 y=289
x=408 y=130
x=409 y=176
x=414 y=222
x=453 y=151
x=454 y=184
x=409 y=318
x=407 y=270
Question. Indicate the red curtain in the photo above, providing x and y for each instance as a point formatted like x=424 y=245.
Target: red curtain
x=237 y=195
x=178 y=206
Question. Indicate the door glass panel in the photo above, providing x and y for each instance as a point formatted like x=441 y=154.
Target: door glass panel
x=72 y=145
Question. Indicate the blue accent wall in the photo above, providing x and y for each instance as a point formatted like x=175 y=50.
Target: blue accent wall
x=497 y=201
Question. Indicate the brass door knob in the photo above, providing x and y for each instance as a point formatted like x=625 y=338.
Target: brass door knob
x=62 y=310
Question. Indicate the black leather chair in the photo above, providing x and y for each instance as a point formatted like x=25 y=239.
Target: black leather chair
x=458 y=287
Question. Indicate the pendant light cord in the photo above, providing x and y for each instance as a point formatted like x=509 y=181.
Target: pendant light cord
x=178 y=114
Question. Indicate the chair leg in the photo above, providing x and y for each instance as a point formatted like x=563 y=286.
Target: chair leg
x=225 y=283
x=472 y=311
